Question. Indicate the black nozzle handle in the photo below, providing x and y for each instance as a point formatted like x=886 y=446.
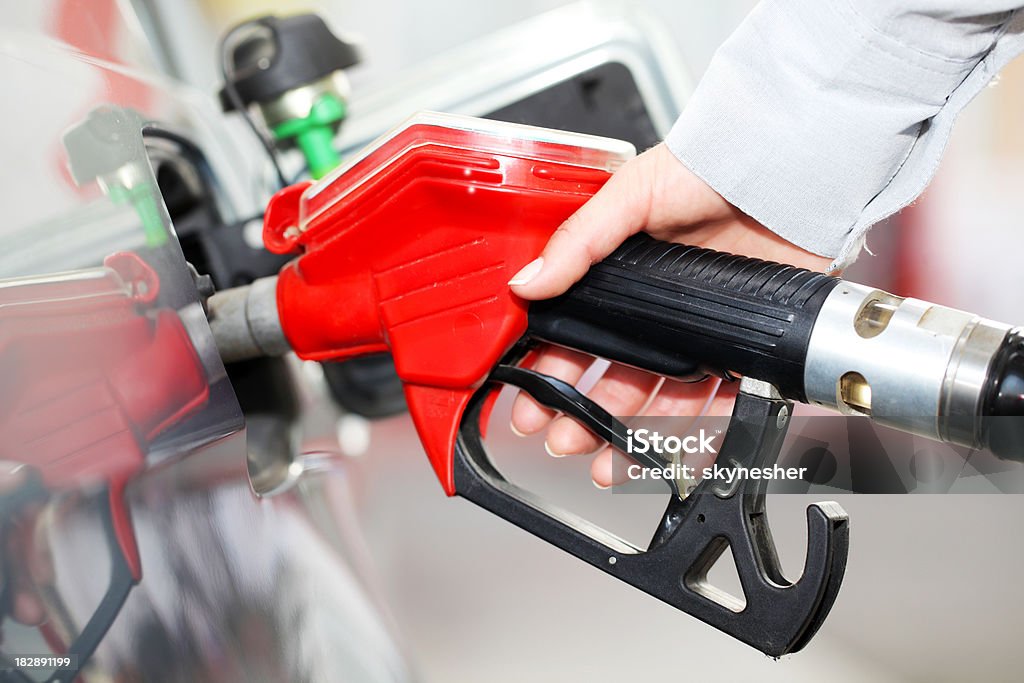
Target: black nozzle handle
x=687 y=312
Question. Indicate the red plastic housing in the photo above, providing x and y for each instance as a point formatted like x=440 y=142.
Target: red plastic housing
x=92 y=372
x=409 y=249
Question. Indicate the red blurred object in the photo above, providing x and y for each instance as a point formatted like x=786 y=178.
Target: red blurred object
x=410 y=247
x=91 y=374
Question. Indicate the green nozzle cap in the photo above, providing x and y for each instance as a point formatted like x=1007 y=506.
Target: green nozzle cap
x=314 y=134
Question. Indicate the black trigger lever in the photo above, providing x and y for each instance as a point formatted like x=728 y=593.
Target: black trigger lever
x=563 y=397
x=776 y=615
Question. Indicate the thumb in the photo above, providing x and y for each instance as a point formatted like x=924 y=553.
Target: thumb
x=618 y=210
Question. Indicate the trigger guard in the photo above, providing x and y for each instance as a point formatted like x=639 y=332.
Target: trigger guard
x=779 y=617
x=563 y=397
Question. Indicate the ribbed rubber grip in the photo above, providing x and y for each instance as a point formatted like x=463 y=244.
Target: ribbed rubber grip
x=685 y=312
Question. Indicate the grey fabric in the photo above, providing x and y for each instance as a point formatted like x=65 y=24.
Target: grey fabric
x=819 y=118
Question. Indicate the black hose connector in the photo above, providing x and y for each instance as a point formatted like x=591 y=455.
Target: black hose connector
x=1003 y=401
x=283 y=53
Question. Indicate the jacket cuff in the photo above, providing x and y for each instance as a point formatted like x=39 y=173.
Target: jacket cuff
x=807 y=114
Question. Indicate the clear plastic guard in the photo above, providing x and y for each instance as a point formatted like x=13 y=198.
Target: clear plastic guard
x=462 y=133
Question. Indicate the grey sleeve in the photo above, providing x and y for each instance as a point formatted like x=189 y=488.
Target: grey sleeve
x=820 y=118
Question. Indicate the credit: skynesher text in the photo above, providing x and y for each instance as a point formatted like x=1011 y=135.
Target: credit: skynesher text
x=716 y=472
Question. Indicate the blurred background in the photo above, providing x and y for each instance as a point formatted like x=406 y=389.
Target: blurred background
x=932 y=590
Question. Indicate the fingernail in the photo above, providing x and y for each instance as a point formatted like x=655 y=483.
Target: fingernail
x=529 y=271
x=599 y=486
x=512 y=426
x=552 y=453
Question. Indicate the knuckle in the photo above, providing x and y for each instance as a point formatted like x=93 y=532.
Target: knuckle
x=574 y=233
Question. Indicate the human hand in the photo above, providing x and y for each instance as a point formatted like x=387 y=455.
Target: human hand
x=656 y=193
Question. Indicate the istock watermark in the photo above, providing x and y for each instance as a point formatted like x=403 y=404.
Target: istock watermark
x=715 y=472
x=671 y=448
x=820 y=454
x=643 y=441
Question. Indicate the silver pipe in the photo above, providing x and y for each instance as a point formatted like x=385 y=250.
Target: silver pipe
x=908 y=364
x=245 y=322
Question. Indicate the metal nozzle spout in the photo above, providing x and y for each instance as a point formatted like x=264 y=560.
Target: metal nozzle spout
x=245 y=322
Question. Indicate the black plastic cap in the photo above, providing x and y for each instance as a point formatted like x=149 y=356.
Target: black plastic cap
x=367 y=386
x=287 y=53
x=1003 y=405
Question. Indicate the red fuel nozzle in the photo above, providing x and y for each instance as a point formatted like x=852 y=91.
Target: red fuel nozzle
x=409 y=249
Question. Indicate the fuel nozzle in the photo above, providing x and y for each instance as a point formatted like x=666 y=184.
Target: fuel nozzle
x=293 y=69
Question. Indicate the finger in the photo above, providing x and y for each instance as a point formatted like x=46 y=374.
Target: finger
x=724 y=399
x=706 y=402
x=673 y=398
x=609 y=468
x=683 y=399
x=528 y=417
x=622 y=391
x=615 y=212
